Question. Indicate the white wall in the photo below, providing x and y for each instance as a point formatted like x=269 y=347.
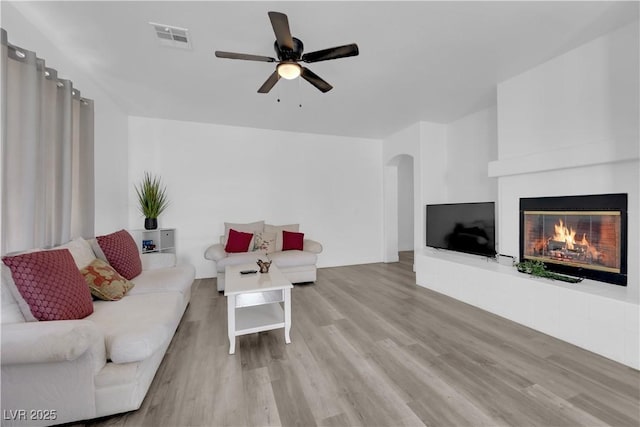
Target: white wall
x=331 y=185
x=571 y=127
x=472 y=142
x=110 y=121
x=433 y=156
x=586 y=96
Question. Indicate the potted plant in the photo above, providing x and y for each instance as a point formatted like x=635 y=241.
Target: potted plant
x=537 y=268
x=152 y=196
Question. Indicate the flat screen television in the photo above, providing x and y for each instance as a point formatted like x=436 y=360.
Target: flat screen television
x=462 y=227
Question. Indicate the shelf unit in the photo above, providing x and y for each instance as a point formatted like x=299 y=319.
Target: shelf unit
x=164 y=240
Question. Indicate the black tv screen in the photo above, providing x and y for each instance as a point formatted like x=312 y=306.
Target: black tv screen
x=462 y=227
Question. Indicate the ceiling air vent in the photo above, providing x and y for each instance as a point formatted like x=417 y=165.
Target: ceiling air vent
x=172 y=36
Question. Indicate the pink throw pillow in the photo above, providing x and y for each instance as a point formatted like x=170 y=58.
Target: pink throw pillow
x=51 y=285
x=122 y=253
x=238 y=241
x=292 y=241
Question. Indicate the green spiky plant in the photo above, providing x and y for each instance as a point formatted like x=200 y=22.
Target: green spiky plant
x=537 y=268
x=152 y=196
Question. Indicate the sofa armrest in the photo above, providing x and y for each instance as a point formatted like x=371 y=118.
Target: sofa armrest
x=215 y=252
x=158 y=260
x=52 y=366
x=50 y=342
x=311 y=246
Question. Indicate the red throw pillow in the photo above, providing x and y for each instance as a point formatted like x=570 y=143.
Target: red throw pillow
x=51 y=285
x=292 y=241
x=238 y=241
x=121 y=252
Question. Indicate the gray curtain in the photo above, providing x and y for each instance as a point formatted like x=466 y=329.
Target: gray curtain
x=47 y=155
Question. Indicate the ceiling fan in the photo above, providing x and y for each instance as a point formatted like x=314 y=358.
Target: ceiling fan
x=289 y=52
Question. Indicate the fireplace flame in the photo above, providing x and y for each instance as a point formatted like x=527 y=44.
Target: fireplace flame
x=568 y=237
x=563 y=234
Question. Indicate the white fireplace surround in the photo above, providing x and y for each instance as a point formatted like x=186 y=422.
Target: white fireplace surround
x=592 y=315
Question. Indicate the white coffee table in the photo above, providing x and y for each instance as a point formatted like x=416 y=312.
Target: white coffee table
x=255 y=302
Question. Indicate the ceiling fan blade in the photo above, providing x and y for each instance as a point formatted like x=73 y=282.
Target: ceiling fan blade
x=331 y=53
x=270 y=83
x=280 y=24
x=315 y=80
x=245 y=56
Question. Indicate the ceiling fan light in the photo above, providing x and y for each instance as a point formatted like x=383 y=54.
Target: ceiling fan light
x=289 y=70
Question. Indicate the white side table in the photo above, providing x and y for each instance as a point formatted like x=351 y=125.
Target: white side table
x=256 y=302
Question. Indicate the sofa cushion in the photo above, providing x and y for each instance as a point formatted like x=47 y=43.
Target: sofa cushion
x=80 y=251
x=292 y=241
x=136 y=326
x=177 y=279
x=240 y=258
x=157 y=260
x=10 y=310
x=293 y=258
x=104 y=281
x=50 y=285
x=278 y=230
x=264 y=240
x=238 y=241
x=122 y=253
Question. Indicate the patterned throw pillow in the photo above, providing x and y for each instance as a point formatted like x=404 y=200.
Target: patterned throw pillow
x=50 y=285
x=264 y=241
x=105 y=282
x=121 y=252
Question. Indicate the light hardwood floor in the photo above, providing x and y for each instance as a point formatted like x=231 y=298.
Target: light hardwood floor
x=370 y=348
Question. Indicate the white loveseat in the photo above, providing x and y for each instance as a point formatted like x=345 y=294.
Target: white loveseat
x=299 y=266
x=103 y=364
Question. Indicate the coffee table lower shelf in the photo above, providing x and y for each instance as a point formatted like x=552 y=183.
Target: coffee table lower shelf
x=250 y=320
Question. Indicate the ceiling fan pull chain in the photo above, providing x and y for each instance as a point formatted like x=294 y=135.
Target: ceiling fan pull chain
x=299 y=94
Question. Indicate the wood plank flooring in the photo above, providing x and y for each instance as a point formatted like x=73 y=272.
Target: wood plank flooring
x=370 y=348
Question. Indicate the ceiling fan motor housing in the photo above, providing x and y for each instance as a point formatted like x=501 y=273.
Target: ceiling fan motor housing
x=285 y=54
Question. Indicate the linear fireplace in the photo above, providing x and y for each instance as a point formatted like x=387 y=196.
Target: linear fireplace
x=584 y=236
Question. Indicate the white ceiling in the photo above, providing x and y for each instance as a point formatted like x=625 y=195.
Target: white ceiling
x=430 y=61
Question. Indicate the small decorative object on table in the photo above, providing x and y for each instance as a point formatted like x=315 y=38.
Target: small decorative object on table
x=537 y=268
x=264 y=265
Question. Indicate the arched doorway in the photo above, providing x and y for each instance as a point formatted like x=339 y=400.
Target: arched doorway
x=399 y=206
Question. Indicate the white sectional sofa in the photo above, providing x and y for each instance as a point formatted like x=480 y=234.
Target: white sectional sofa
x=97 y=366
x=299 y=266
